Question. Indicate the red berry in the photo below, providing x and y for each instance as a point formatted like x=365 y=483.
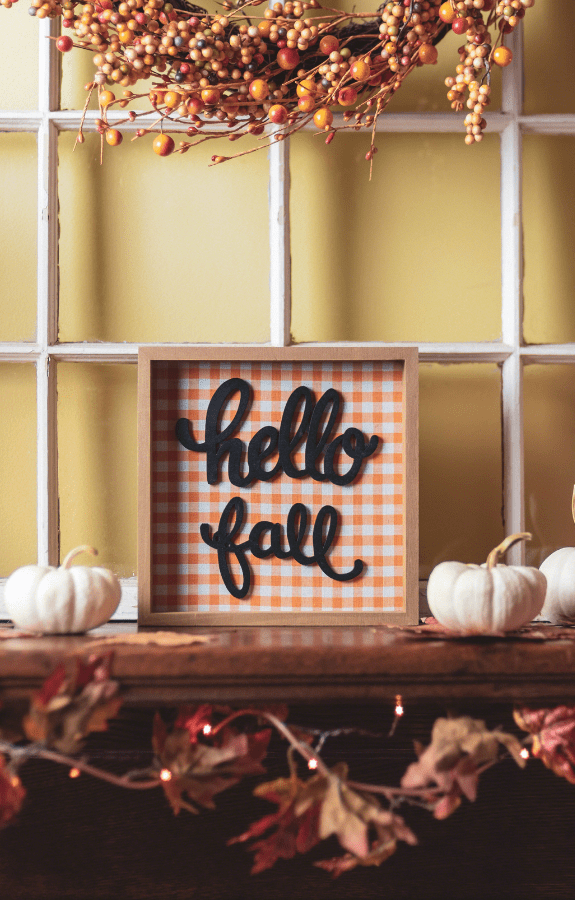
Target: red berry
x=460 y=26
x=278 y=114
x=287 y=59
x=64 y=43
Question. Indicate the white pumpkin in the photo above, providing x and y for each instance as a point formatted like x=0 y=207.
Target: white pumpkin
x=488 y=598
x=62 y=600
x=559 y=570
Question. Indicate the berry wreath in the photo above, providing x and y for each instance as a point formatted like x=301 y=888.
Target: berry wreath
x=270 y=74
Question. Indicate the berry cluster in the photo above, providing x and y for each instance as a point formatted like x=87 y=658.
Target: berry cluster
x=476 y=19
x=295 y=63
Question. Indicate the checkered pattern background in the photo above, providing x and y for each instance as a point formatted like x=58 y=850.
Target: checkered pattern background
x=185 y=570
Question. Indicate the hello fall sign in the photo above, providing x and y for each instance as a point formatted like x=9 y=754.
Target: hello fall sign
x=277 y=485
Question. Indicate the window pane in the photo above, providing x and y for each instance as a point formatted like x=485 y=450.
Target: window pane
x=19 y=61
x=97 y=461
x=549 y=41
x=162 y=249
x=18 y=546
x=549 y=393
x=460 y=463
x=18 y=236
x=549 y=224
x=413 y=254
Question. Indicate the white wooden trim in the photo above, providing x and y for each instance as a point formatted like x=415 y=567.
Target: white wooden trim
x=512 y=299
x=280 y=244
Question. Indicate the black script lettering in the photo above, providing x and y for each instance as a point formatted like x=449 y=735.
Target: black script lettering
x=314 y=427
x=352 y=443
x=218 y=443
x=223 y=540
x=287 y=443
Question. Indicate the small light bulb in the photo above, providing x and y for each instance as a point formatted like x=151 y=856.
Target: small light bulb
x=524 y=753
x=74 y=773
x=312 y=763
x=398 y=705
x=207 y=729
x=15 y=781
x=166 y=775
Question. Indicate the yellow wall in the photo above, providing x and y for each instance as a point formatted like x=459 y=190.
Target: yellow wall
x=171 y=250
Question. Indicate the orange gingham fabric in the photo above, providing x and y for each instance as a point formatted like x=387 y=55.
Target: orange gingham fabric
x=185 y=572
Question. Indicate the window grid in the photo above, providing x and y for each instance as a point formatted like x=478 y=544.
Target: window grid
x=511 y=353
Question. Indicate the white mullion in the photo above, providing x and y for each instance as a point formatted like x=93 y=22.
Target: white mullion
x=47 y=325
x=512 y=298
x=280 y=244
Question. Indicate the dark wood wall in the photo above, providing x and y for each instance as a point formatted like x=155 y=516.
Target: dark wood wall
x=86 y=839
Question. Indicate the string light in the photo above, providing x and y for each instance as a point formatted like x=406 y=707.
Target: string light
x=312 y=763
x=398 y=705
x=74 y=773
x=15 y=781
x=207 y=729
x=166 y=775
x=524 y=753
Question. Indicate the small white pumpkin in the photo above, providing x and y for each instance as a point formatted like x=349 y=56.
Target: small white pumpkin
x=488 y=598
x=559 y=570
x=62 y=600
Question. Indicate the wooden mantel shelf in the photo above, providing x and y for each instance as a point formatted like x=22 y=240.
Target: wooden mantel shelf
x=313 y=665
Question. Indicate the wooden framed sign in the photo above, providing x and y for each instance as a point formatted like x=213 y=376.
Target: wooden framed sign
x=278 y=485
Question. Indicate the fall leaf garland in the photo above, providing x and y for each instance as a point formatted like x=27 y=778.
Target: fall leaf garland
x=205 y=749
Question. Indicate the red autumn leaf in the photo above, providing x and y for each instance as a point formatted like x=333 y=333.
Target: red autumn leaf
x=72 y=702
x=313 y=810
x=553 y=733
x=12 y=794
x=296 y=822
x=202 y=768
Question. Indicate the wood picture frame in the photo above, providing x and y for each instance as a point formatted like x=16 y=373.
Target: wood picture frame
x=202 y=539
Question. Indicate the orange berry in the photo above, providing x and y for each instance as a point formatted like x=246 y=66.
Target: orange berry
x=210 y=96
x=360 y=70
x=502 y=56
x=328 y=44
x=278 y=114
x=114 y=137
x=447 y=13
x=163 y=145
x=307 y=86
x=106 y=97
x=347 y=96
x=306 y=103
x=323 y=118
x=195 y=106
x=172 y=99
x=428 y=54
x=259 y=89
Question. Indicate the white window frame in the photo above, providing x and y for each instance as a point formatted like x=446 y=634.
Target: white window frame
x=510 y=352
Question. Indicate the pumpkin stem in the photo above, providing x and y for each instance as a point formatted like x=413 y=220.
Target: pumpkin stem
x=75 y=552
x=493 y=557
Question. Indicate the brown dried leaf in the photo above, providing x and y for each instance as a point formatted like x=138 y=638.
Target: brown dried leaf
x=71 y=703
x=200 y=769
x=160 y=638
x=553 y=733
x=459 y=748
